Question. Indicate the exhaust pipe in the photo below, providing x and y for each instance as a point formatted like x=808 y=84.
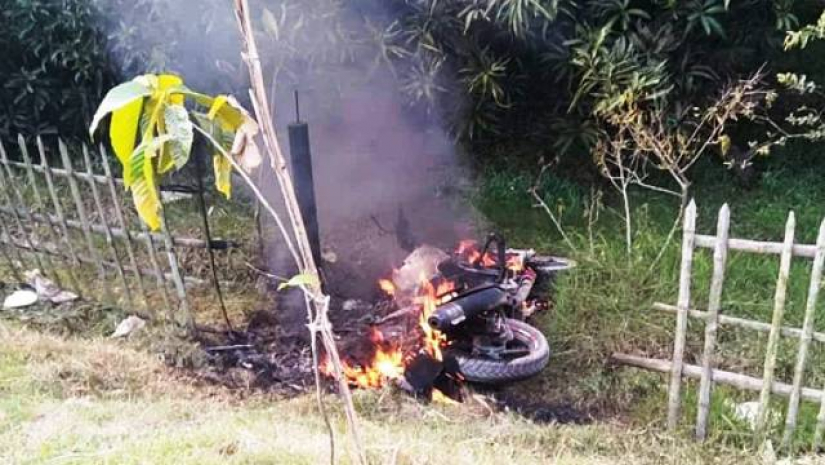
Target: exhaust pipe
x=456 y=311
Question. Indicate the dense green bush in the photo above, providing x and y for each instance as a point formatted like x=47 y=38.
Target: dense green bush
x=541 y=69
x=54 y=67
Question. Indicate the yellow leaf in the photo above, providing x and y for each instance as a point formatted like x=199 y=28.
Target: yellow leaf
x=219 y=101
x=123 y=132
x=229 y=113
x=724 y=144
x=159 y=100
x=223 y=171
x=168 y=81
x=304 y=279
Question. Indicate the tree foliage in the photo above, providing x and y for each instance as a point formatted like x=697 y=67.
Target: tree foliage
x=54 y=67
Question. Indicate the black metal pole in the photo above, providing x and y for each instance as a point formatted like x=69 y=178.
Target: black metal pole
x=301 y=161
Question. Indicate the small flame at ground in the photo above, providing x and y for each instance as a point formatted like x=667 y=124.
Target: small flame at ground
x=386 y=364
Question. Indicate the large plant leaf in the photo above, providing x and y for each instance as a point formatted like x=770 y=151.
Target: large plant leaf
x=180 y=131
x=123 y=129
x=164 y=92
x=119 y=97
x=143 y=183
x=227 y=117
x=227 y=112
x=223 y=172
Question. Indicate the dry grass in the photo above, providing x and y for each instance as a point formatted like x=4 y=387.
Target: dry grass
x=99 y=401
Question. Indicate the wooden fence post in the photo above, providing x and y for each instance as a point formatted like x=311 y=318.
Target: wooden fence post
x=127 y=235
x=38 y=204
x=180 y=288
x=54 y=232
x=9 y=245
x=805 y=339
x=7 y=184
x=720 y=257
x=84 y=220
x=58 y=208
x=776 y=325
x=107 y=232
x=688 y=242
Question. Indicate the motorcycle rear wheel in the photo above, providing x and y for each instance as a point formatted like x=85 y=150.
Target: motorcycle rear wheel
x=484 y=370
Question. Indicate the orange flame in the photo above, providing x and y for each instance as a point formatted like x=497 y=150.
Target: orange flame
x=515 y=263
x=387 y=286
x=385 y=364
x=468 y=251
x=429 y=299
x=388 y=362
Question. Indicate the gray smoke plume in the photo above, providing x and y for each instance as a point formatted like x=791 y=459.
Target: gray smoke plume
x=387 y=177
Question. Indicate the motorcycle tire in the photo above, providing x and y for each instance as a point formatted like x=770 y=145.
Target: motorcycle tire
x=490 y=371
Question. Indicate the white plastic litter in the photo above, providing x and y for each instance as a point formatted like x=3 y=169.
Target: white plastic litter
x=168 y=196
x=48 y=290
x=19 y=299
x=128 y=326
x=747 y=412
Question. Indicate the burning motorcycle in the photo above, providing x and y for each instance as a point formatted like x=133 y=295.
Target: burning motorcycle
x=458 y=317
x=483 y=316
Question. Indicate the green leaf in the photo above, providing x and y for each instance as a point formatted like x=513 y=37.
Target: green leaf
x=180 y=131
x=304 y=279
x=118 y=97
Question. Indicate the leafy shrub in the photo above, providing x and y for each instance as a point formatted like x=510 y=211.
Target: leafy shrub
x=54 y=67
x=543 y=69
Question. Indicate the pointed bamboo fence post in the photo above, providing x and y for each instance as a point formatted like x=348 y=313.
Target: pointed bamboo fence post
x=107 y=232
x=8 y=244
x=688 y=242
x=25 y=210
x=58 y=209
x=776 y=325
x=40 y=205
x=159 y=275
x=805 y=340
x=180 y=288
x=127 y=235
x=7 y=184
x=720 y=258
x=84 y=220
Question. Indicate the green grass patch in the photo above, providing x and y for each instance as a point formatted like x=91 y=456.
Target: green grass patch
x=145 y=414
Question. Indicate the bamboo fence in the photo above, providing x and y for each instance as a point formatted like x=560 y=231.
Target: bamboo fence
x=713 y=318
x=72 y=225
